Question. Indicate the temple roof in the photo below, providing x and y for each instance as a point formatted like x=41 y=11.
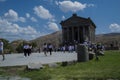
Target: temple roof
x=74 y=19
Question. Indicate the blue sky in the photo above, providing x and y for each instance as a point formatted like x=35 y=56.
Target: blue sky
x=29 y=19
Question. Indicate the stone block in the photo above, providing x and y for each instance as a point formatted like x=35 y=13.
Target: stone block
x=53 y=65
x=34 y=66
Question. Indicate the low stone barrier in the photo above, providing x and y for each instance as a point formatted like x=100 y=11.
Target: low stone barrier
x=34 y=66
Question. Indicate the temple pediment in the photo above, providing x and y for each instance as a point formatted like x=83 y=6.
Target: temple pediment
x=76 y=20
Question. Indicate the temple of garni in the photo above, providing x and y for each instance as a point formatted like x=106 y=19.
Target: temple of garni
x=78 y=29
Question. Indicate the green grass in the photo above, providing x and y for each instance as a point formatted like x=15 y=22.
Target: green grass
x=108 y=67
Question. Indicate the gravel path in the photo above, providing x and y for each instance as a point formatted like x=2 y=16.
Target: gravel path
x=20 y=59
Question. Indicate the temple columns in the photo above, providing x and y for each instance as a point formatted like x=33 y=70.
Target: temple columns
x=67 y=34
x=84 y=35
x=78 y=34
x=63 y=34
x=73 y=34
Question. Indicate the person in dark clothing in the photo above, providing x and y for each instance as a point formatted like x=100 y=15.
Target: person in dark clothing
x=50 y=47
x=29 y=49
x=26 y=50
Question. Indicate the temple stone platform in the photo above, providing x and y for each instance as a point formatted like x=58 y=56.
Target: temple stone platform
x=16 y=59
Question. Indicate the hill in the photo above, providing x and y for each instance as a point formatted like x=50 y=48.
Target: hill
x=56 y=38
x=108 y=39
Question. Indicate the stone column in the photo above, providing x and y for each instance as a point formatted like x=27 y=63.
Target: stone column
x=82 y=53
x=78 y=33
x=89 y=33
x=73 y=34
x=94 y=35
x=67 y=34
x=63 y=35
x=83 y=33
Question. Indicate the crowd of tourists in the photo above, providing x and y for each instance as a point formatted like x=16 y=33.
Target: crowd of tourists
x=97 y=49
x=27 y=48
x=48 y=48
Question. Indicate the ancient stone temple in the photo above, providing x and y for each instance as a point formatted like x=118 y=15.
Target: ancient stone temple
x=78 y=29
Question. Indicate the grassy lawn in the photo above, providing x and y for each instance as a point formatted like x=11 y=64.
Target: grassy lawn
x=107 y=68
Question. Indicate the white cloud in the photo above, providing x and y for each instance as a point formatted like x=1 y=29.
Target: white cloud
x=53 y=26
x=90 y=5
x=75 y=6
x=12 y=31
x=33 y=19
x=22 y=19
x=27 y=15
x=42 y=12
x=56 y=2
x=63 y=17
x=12 y=15
x=114 y=27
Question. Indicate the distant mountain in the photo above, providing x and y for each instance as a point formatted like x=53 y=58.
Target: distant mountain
x=108 y=38
x=109 y=34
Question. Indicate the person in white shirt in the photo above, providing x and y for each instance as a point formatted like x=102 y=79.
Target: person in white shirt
x=70 y=48
x=63 y=49
x=26 y=51
x=1 y=49
x=85 y=43
x=45 y=48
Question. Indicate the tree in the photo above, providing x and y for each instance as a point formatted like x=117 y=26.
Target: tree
x=7 y=47
x=34 y=44
x=19 y=48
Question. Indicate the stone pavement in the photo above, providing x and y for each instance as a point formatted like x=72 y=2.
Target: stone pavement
x=20 y=59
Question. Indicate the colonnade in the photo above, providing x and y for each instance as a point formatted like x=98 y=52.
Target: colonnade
x=71 y=34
